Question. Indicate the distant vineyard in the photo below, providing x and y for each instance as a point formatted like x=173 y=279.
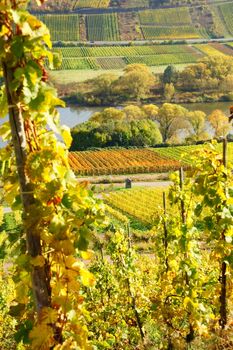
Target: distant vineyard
x=120 y=161
x=209 y=50
x=132 y=3
x=223 y=48
x=123 y=51
x=102 y=27
x=227 y=13
x=62 y=27
x=92 y=3
x=181 y=32
x=166 y=17
x=165 y=59
x=117 y=57
x=81 y=63
x=111 y=62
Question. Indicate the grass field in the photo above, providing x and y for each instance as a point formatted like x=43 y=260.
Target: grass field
x=77 y=76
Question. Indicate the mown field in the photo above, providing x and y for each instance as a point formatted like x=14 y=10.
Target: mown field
x=132 y=161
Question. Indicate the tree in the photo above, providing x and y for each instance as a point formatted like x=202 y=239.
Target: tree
x=169 y=91
x=136 y=81
x=151 y=111
x=109 y=114
x=103 y=84
x=133 y=112
x=219 y=122
x=170 y=75
x=208 y=74
x=48 y=272
x=197 y=120
x=171 y=117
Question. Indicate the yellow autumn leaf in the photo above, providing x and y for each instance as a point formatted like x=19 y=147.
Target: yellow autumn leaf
x=4 y=30
x=87 y=278
x=65 y=133
x=42 y=337
x=72 y=263
x=48 y=315
x=87 y=255
x=68 y=344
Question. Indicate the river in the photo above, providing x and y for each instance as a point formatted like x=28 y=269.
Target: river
x=74 y=115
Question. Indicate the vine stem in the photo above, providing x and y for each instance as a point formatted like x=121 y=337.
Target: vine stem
x=132 y=296
x=39 y=277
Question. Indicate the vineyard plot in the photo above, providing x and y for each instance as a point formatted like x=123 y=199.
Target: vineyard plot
x=120 y=161
x=227 y=13
x=180 y=32
x=111 y=62
x=209 y=50
x=157 y=60
x=166 y=17
x=140 y=203
x=62 y=27
x=102 y=27
x=80 y=63
x=92 y=3
x=124 y=51
x=117 y=57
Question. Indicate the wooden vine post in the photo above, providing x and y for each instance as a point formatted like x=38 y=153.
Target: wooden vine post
x=223 y=275
x=58 y=213
x=165 y=231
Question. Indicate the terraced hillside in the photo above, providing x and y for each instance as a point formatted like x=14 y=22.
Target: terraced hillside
x=117 y=57
x=137 y=24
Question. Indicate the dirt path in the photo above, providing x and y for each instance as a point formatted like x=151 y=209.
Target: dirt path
x=117 y=179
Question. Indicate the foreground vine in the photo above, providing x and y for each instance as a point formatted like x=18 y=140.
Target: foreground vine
x=58 y=213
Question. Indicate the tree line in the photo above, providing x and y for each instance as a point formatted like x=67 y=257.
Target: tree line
x=148 y=125
x=211 y=79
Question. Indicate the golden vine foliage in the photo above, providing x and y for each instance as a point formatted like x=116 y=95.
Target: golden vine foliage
x=59 y=213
